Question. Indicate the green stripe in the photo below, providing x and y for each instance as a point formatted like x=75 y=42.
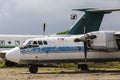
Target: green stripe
x=7 y=46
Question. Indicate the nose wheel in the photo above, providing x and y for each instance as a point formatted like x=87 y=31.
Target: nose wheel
x=10 y=64
x=83 y=67
x=33 y=68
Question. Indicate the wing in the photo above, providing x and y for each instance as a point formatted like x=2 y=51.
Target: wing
x=117 y=34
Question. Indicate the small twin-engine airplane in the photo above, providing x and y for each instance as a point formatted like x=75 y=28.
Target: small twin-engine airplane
x=89 y=47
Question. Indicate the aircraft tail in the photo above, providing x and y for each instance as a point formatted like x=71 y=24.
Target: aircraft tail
x=91 y=20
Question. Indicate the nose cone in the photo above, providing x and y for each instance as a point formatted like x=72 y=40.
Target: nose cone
x=13 y=55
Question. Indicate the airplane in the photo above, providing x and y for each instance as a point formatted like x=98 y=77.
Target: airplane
x=93 y=21
x=83 y=49
x=93 y=47
x=8 y=42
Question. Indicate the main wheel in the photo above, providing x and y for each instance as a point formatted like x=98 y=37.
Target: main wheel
x=33 y=68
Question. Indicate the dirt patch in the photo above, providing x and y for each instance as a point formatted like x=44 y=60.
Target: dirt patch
x=58 y=74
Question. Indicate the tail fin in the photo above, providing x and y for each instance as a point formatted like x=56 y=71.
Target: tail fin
x=91 y=20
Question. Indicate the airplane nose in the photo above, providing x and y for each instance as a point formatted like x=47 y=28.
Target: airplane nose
x=13 y=55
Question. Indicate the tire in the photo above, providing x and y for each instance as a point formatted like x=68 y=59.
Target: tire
x=83 y=67
x=33 y=69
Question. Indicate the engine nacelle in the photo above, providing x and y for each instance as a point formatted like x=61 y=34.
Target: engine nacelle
x=105 y=40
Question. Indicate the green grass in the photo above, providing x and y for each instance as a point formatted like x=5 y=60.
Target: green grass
x=108 y=65
x=2 y=65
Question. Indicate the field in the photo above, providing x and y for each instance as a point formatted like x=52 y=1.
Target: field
x=59 y=74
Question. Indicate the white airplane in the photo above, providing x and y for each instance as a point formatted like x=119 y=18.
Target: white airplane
x=91 y=17
x=8 y=42
x=92 y=47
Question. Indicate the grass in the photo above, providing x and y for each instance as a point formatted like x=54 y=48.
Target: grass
x=2 y=65
x=109 y=65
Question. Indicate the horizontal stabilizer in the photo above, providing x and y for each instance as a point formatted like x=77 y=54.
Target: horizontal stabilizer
x=117 y=33
x=94 y=10
x=92 y=20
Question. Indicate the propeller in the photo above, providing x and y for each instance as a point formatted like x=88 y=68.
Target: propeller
x=85 y=37
x=85 y=44
x=85 y=40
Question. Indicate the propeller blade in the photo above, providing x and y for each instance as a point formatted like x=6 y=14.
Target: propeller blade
x=85 y=50
x=77 y=40
x=92 y=36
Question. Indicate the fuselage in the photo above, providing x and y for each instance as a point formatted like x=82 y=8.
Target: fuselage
x=63 y=49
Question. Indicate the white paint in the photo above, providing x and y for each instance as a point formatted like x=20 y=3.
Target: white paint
x=57 y=41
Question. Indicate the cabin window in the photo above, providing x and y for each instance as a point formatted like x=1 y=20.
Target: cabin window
x=17 y=42
x=23 y=41
x=35 y=42
x=30 y=42
x=2 y=42
x=9 y=42
x=40 y=43
x=45 y=42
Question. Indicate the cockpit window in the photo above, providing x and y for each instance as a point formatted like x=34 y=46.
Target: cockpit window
x=40 y=43
x=28 y=46
x=45 y=42
x=30 y=42
x=34 y=42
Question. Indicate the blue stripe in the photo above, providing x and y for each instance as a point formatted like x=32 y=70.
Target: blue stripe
x=53 y=49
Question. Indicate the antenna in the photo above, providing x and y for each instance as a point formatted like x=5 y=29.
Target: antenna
x=44 y=28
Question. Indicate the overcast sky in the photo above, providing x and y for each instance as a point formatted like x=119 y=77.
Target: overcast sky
x=27 y=16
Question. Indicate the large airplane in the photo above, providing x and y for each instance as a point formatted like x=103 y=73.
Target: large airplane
x=93 y=21
x=89 y=47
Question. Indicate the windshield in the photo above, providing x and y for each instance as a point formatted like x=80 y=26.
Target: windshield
x=34 y=43
x=29 y=44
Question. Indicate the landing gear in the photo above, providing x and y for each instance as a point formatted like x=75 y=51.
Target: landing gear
x=83 y=67
x=10 y=64
x=33 y=68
